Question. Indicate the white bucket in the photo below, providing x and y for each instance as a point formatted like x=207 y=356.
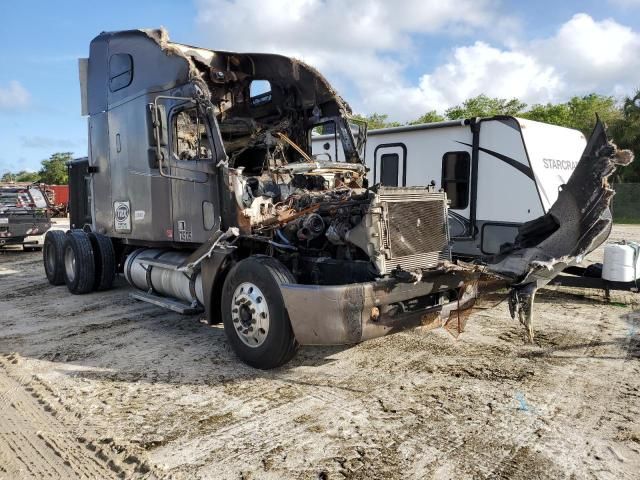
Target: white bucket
x=621 y=262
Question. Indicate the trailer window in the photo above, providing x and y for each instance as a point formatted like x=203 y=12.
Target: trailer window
x=190 y=139
x=455 y=178
x=389 y=165
x=120 y=71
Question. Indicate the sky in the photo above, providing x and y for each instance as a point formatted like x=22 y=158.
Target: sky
x=401 y=58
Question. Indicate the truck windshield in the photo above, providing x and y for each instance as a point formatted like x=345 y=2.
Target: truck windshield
x=327 y=142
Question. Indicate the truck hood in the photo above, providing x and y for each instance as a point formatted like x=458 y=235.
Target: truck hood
x=577 y=223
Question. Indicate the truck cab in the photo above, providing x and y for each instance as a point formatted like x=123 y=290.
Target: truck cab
x=201 y=187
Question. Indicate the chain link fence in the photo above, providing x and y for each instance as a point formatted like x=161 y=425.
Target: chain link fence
x=626 y=203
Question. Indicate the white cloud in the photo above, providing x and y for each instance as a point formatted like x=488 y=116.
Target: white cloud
x=583 y=56
x=367 y=46
x=306 y=26
x=471 y=71
x=593 y=56
x=13 y=96
x=364 y=44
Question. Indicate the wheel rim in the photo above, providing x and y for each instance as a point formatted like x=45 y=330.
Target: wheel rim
x=50 y=251
x=70 y=264
x=250 y=314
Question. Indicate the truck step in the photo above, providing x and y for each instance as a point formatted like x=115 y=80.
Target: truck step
x=169 y=303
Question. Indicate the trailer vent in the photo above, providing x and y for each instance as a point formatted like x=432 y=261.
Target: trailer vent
x=415 y=233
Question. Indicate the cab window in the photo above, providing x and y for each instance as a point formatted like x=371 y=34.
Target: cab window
x=191 y=141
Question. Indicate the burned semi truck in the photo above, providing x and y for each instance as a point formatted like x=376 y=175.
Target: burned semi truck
x=202 y=189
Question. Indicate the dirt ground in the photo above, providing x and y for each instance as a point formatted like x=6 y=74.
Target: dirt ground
x=102 y=386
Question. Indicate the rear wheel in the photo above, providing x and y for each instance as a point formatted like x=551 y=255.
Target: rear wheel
x=52 y=256
x=79 y=268
x=104 y=261
x=255 y=319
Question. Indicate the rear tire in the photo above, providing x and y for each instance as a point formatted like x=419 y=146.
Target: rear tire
x=52 y=256
x=79 y=268
x=104 y=261
x=255 y=318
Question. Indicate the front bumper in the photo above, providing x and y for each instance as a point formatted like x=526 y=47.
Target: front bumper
x=347 y=314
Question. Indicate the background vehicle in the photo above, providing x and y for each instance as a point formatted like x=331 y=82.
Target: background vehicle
x=498 y=172
x=22 y=214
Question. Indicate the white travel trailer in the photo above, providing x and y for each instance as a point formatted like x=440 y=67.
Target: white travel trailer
x=498 y=172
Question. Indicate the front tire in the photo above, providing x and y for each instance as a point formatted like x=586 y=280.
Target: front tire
x=255 y=318
x=79 y=268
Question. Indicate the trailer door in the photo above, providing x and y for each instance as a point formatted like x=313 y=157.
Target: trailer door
x=390 y=163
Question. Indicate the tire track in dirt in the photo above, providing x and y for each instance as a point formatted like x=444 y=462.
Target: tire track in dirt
x=36 y=443
x=517 y=462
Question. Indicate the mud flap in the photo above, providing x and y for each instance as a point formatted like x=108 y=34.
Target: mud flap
x=521 y=305
x=576 y=224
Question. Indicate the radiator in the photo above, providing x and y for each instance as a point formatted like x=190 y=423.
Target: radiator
x=414 y=226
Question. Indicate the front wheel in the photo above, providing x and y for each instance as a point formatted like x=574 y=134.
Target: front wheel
x=255 y=318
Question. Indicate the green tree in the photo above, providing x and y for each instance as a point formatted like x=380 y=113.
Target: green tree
x=625 y=132
x=24 y=176
x=584 y=109
x=578 y=112
x=376 y=121
x=429 y=117
x=484 y=106
x=556 y=114
x=54 y=169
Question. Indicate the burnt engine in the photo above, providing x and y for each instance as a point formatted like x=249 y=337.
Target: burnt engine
x=329 y=229
x=305 y=218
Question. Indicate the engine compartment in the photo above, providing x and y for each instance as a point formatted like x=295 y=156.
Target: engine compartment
x=304 y=214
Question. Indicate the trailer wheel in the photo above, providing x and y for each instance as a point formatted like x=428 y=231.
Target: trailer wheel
x=255 y=318
x=104 y=261
x=52 y=256
x=79 y=268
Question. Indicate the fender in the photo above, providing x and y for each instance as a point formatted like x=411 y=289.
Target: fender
x=214 y=271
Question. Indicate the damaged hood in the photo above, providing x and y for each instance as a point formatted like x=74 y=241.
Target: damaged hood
x=577 y=223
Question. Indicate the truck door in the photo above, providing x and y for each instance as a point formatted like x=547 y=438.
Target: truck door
x=192 y=158
x=390 y=163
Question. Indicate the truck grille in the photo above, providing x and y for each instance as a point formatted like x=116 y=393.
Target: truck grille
x=414 y=230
